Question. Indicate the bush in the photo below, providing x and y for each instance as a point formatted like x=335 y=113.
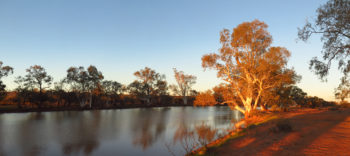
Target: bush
x=333 y=108
x=275 y=108
x=344 y=104
x=283 y=125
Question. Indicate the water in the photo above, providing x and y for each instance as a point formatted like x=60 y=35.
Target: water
x=141 y=131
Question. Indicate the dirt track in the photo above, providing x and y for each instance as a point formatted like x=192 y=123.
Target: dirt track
x=315 y=132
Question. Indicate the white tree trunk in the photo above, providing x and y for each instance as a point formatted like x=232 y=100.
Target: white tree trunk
x=184 y=98
x=90 y=101
x=248 y=106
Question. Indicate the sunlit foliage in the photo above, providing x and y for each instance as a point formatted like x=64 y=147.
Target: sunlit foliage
x=149 y=83
x=205 y=99
x=249 y=65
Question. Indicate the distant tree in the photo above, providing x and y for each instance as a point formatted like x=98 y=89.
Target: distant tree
x=77 y=78
x=333 y=23
x=149 y=83
x=84 y=82
x=4 y=72
x=95 y=77
x=342 y=92
x=95 y=87
x=205 y=99
x=137 y=89
x=297 y=94
x=63 y=95
x=248 y=64
x=314 y=101
x=37 y=77
x=112 y=89
x=23 y=91
x=59 y=91
x=184 y=84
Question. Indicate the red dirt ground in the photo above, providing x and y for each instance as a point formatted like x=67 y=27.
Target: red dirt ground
x=315 y=132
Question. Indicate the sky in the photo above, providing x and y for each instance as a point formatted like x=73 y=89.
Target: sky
x=121 y=37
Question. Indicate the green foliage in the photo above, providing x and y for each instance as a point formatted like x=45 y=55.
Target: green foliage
x=333 y=23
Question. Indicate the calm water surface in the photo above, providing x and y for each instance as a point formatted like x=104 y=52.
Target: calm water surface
x=141 y=131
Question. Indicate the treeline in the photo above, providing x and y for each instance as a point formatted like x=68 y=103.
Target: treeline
x=87 y=88
x=255 y=76
x=284 y=98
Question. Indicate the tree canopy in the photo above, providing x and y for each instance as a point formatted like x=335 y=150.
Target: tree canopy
x=84 y=81
x=149 y=83
x=249 y=65
x=333 y=23
x=4 y=71
x=184 y=84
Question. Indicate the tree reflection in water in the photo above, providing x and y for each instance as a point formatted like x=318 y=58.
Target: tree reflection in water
x=190 y=140
x=83 y=136
x=108 y=132
x=148 y=126
x=2 y=152
x=27 y=136
x=199 y=135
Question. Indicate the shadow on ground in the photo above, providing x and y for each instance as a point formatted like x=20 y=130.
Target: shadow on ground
x=306 y=129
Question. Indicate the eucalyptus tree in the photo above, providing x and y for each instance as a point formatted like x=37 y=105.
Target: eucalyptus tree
x=4 y=72
x=37 y=77
x=23 y=91
x=184 y=84
x=333 y=24
x=342 y=92
x=59 y=91
x=113 y=90
x=84 y=82
x=149 y=83
x=249 y=65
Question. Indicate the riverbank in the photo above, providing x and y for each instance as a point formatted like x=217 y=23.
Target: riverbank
x=323 y=131
x=14 y=109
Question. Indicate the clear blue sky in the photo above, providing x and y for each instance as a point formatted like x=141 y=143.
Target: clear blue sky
x=121 y=37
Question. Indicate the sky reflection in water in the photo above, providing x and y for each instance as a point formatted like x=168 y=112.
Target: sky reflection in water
x=142 y=131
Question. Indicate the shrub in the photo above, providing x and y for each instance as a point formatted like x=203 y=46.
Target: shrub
x=344 y=104
x=283 y=125
x=275 y=108
x=333 y=108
